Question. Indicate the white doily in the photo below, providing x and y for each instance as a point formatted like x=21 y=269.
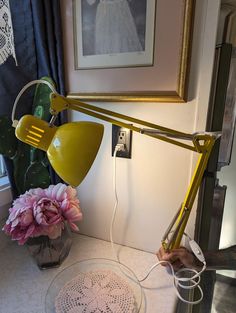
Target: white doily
x=6 y=32
x=100 y=291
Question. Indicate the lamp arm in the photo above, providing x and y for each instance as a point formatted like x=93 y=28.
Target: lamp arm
x=60 y=103
x=183 y=216
x=201 y=143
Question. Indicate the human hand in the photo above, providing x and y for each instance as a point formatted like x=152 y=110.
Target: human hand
x=178 y=258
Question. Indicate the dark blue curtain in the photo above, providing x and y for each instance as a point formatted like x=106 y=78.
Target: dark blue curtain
x=39 y=52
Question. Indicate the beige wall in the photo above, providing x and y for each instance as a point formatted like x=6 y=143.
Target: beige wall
x=153 y=183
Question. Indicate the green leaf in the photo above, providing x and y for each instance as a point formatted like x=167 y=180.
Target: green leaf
x=37 y=175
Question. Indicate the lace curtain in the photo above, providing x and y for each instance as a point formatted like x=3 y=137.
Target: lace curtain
x=6 y=32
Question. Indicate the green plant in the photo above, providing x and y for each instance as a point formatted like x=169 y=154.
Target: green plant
x=30 y=165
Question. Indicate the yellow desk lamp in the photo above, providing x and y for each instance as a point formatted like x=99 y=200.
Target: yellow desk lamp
x=72 y=147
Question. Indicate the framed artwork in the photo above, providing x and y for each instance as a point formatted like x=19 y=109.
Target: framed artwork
x=111 y=34
x=127 y=50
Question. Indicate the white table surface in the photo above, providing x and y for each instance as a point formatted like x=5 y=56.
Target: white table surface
x=23 y=286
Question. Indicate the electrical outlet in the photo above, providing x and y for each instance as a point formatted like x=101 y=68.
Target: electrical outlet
x=121 y=135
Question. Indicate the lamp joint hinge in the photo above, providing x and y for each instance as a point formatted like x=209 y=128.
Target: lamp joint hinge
x=58 y=104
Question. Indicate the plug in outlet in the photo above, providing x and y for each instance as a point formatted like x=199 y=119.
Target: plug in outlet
x=121 y=135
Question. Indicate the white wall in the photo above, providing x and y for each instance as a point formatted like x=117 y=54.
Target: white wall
x=227 y=177
x=153 y=183
x=228 y=232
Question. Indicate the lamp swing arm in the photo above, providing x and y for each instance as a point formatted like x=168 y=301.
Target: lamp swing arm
x=178 y=224
x=60 y=103
x=202 y=143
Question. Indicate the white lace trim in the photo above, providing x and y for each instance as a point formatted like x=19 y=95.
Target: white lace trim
x=6 y=32
x=100 y=291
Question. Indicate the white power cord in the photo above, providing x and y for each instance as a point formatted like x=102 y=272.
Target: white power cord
x=179 y=282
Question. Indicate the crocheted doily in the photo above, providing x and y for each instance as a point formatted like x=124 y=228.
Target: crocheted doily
x=100 y=291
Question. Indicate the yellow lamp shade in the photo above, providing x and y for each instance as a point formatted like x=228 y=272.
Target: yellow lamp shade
x=71 y=148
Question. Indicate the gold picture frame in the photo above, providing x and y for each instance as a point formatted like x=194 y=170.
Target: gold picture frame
x=165 y=81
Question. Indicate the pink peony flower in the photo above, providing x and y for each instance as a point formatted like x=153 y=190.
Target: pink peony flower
x=43 y=212
x=67 y=196
x=20 y=226
x=47 y=213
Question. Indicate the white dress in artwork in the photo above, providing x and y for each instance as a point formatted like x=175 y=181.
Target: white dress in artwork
x=115 y=29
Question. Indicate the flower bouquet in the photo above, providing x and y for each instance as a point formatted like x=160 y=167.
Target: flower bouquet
x=40 y=218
